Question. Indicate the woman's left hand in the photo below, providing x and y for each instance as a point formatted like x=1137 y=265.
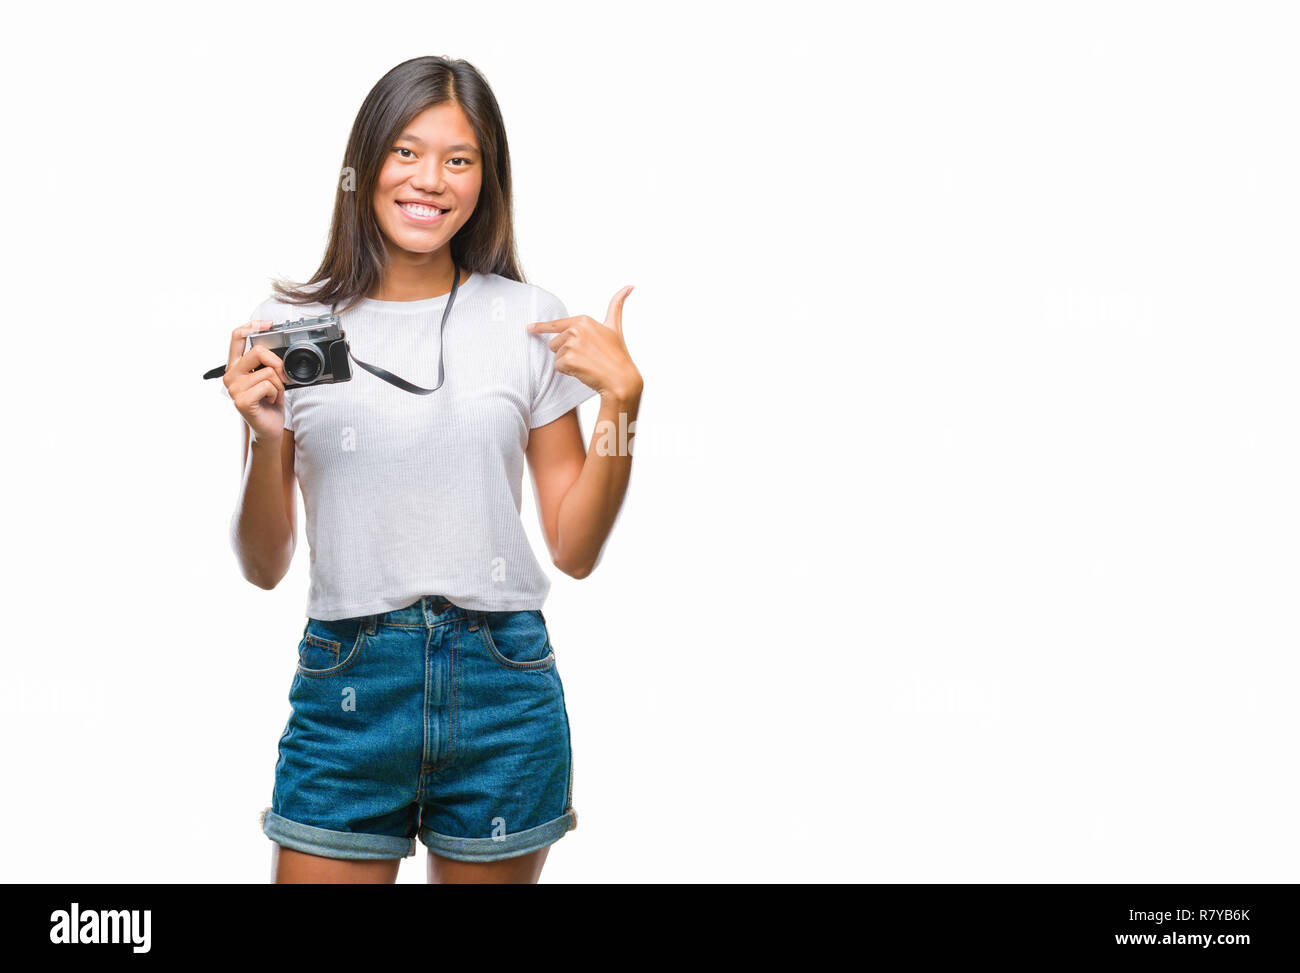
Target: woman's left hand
x=593 y=351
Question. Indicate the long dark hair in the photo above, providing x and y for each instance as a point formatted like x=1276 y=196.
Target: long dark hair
x=355 y=257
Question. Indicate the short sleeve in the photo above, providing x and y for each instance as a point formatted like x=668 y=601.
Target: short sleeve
x=554 y=393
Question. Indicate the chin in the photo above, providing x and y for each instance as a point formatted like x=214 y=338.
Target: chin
x=416 y=242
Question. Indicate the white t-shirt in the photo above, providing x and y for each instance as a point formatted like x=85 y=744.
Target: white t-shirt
x=408 y=495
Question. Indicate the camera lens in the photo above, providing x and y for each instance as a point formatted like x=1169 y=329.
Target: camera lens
x=304 y=363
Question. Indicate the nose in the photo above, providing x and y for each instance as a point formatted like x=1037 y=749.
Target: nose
x=429 y=178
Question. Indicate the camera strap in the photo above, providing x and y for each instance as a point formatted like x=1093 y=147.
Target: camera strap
x=402 y=383
x=384 y=373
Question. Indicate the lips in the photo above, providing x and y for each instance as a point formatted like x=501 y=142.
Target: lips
x=416 y=208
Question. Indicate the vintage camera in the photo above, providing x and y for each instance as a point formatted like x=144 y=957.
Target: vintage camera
x=314 y=350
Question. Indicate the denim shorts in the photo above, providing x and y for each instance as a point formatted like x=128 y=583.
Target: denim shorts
x=430 y=721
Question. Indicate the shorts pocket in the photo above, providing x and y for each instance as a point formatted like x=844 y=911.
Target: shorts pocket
x=330 y=647
x=518 y=640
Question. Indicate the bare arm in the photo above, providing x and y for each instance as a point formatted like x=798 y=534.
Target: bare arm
x=263 y=531
x=265 y=525
x=578 y=498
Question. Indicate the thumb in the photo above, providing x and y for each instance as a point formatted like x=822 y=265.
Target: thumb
x=614 y=316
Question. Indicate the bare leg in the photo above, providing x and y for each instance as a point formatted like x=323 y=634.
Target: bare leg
x=520 y=870
x=290 y=867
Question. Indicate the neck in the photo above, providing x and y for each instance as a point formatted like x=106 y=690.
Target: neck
x=407 y=279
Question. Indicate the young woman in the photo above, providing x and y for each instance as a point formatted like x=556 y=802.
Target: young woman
x=427 y=703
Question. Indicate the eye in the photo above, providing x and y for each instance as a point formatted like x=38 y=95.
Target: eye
x=402 y=148
x=467 y=162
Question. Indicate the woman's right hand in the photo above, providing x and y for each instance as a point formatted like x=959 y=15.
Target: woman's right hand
x=255 y=380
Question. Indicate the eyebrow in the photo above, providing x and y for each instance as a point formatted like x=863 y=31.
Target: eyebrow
x=462 y=147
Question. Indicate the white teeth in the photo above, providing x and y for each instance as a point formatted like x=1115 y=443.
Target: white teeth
x=417 y=210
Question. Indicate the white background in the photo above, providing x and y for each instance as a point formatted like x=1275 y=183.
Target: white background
x=961 y=544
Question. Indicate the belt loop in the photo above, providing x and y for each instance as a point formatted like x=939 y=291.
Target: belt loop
x=372 y=624
x=474 y=618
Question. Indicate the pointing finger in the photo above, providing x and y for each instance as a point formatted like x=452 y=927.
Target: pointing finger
x=541 y=327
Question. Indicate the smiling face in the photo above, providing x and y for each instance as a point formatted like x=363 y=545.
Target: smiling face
x=430 y=181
